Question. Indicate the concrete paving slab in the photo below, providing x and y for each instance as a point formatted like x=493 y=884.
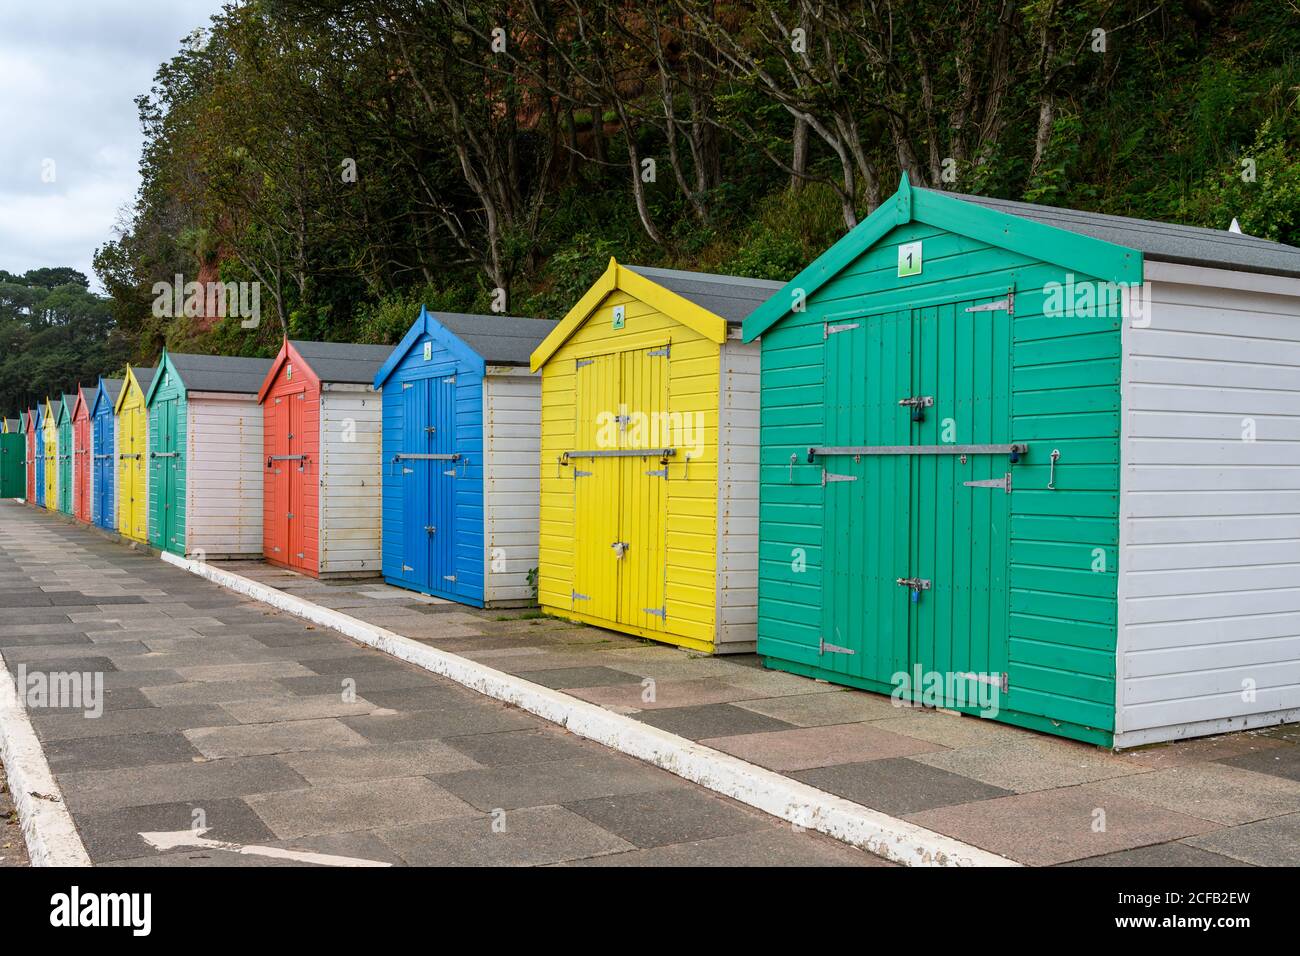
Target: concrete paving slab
x=1055 y=826
x=1226 y=795
x=516 y=747
x=665 y=817
x=285 y=708
x=528 y=837
x=564 y=678
x=95 y=791
x=115 y=753
x=1160 y=855
x=1272 y=842
x=446 y=722
x=248 y=740
x=555 y=782
x=115 y=835
x=1025 y=764
x=379 y=761
x=766 y=848
x=355 y=806
x=806 y=747
x=1277 y=762
x=711 y=720
x=824 y=708
x=897 y=785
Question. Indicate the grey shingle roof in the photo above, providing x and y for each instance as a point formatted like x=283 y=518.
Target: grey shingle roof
x=729 y=297
x=340 y=362
x=88 y=396
x=69 y=402
x=143 y=377
x=112 y=389
x=11 y=424
x=220 y=373
x=500 y=339
x=1162 y=241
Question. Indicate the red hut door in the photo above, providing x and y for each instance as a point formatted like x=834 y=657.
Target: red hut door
x=287 y=474
x=81 y=484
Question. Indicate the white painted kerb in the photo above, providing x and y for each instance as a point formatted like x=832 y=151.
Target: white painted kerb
x=52 y=838
x=722 y=773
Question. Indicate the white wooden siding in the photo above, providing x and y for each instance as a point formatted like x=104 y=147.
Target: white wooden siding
x=350 y=474
x=1209 y=585
x=738 y=447
x=223 y=493
x=512 y=449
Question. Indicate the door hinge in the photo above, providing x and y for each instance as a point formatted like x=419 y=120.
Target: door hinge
x=1000 y=681
x=407 y=567
x=408 y=385
x=575 y=596
x=581 y=474
x=658 y=473
x=1008 y=305
x=581 y=362
x=663 y=352
x=828 y=330
x=1004 y=483
x=824 y=648
x=408 y=471
x=449 y=577
x=828 y=477
x=289 y=515
x=300 y=554
x=659 y=612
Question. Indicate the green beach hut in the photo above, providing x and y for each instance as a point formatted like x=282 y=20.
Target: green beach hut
x=1039 y=465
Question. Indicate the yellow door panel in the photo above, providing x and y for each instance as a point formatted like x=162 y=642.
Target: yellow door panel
x=597 y=489
x=132 y=469
x=644 y=516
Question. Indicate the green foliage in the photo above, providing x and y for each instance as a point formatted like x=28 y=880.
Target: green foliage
x=475 y=171
x=54 y=335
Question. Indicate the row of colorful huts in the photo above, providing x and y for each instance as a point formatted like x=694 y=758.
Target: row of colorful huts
x=975 y=446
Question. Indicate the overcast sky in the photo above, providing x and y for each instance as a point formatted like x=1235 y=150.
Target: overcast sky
x=69 y=73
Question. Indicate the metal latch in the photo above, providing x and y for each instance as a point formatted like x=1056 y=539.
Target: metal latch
x=915 y=585
x=620 y=548
x=1004 y=483
x=918 y=404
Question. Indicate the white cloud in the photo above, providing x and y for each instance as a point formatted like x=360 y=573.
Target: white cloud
x=70 y=72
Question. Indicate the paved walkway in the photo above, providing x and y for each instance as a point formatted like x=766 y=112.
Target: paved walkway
x=219 y=712
x=1224 y=801
x=223 y=705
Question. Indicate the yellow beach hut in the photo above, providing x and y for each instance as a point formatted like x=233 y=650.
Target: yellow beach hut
x=133 y=455
x=50 y=439
x=650 y=458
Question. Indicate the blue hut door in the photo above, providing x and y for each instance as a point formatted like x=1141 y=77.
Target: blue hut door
x=429 y=471
x=103 y=469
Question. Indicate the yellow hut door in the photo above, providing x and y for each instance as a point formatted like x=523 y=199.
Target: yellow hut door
x=597 y=486
x=644 y=426
x=620 y=481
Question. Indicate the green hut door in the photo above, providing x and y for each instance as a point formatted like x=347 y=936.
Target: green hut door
x=166 y=462
x=921 y=522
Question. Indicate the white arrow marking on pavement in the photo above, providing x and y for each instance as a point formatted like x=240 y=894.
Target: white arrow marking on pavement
x=195 y=838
